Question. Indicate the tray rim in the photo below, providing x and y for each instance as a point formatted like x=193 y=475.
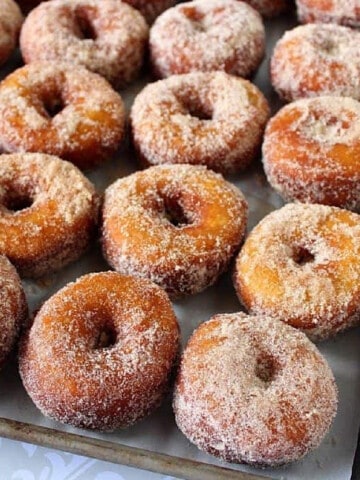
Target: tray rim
x=120 y=454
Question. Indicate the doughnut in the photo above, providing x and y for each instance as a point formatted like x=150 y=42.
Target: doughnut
x=317 y=59
x=13 y=307
x=178 y=225
x=203 y=36
x=101 y=351
x=48 y=212
x=61 y=110
x=344 y=12
x=209 y=118
x=151 y=9
x=269 y=8
x=10 y=24
x=301 y=265
x=253 y=390
x=107 y=37
x=310 y=151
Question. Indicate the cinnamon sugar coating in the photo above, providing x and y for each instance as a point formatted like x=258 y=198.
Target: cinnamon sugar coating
x=107 y=37
x=253 y=390
x=207 y=35
x=210 y=118
x=10 y=24
x=301 y=265
x=178 y=225
x=269 y=8
x=311 y=149
x=151 y=8
x=317 y=59
x=61 y=110
x=13 y=307
x=344 y=12
x=100 y=351
x=48 y=212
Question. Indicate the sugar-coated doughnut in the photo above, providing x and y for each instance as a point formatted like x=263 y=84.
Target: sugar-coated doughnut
x=107 y=37
x=301 y=265
x=151 y=8
x=344 y=12
x=100 y=352
x=205 y=36
x=310 y=151
x=10 y=24
x=269 y=8
x=13 y=307
x=317 y=59
x=253 y=390
x=62 y=110
x=178 y=225
x=48 y=212
x=211 y=118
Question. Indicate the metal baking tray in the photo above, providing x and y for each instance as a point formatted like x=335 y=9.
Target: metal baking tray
x=155 y=443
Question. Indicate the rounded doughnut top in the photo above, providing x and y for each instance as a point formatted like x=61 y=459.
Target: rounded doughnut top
x=310 y=151
x=269 y=8
x=209 y=118
x=253 y=390
x=344 y=12
x=62 y=110
x=107 y=37
x=151 y=8
x=205 y=36
x=48 y=212
x=13 y=307
x=178 y=225
x=301 y=265
x=316 y=59
x=100 y=351
x=10 y=24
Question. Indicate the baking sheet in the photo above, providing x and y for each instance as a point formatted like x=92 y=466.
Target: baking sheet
x=158 y=433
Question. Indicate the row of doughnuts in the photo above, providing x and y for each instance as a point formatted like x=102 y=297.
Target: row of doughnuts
x=309 y=11
x=194 y=118
x=56 y=30
x=179 y=226
x=153 y=8
x=76 y=369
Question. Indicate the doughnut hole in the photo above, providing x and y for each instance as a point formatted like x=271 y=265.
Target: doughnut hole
x=85 y=27
x=266 y=368
x=302 y=256
x=18 y=198
x=107 y=337
x=195 y=16
x=52 y=100
x=174 y=212
x=198 y=108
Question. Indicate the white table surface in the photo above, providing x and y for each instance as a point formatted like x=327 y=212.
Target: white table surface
x=23 y=461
